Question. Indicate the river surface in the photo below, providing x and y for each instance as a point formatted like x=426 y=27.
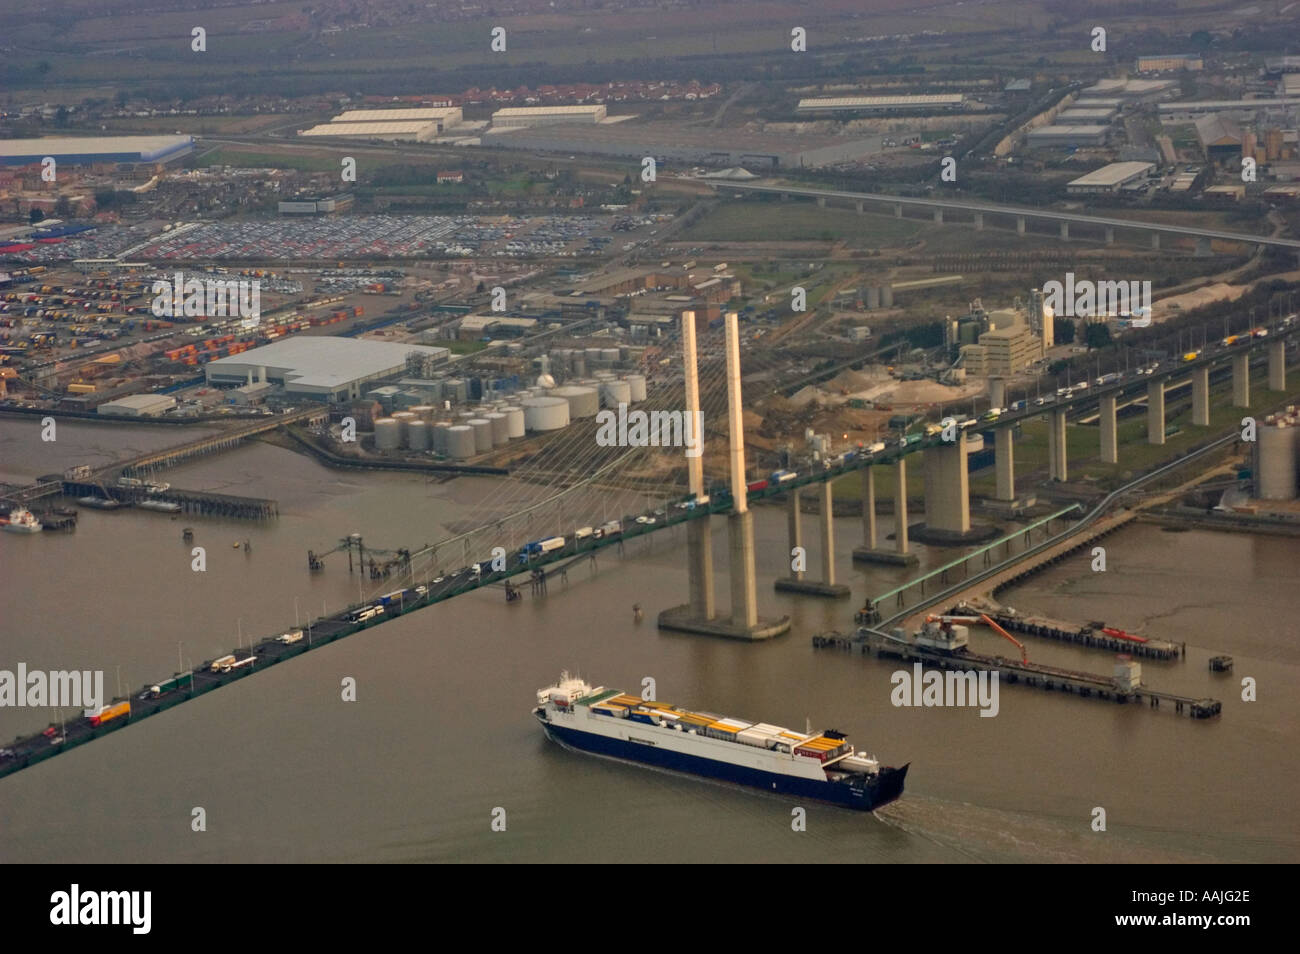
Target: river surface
x=441 y=733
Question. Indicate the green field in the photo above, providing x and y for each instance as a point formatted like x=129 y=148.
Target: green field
x=798 y=222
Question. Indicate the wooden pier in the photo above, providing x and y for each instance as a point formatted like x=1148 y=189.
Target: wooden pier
x=190 y=501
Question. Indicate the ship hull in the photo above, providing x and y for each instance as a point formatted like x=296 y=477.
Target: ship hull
x=880 y=790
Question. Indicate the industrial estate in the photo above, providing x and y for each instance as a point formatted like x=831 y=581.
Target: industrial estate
x=982 y=313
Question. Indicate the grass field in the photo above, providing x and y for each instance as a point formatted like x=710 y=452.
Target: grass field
x=798 y=222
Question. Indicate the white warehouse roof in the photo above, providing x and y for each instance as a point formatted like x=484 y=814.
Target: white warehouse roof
x=412 y=127
x=1116 y=173
x=397 y=115
x=877 y=102
x=318 y=364
x=526 y=111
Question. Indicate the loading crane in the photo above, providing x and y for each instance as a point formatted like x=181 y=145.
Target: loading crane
x=987 y=621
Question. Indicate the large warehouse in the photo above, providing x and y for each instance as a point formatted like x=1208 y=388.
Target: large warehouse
x=444 y=116
x=668 y=141
x=1109 y=178
x=85 y=150
x=948 y=102
x=1058 y=137
x=516 y=117
x=320 y=368
x=417 y=130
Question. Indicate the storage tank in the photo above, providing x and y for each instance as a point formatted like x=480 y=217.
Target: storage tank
x=417 y=435
x=637 y=383
x=609 y=355
x=388 y=434
x=583 y=402
x=460 y=441
x=546 y=413
x=482 y=428
x=1275 y=462
x=500 y=430
x=593 y=357
x=614 y=393
x=424 y=412
x=439 y=437
x=578 y=363
x=514 y=421
x=403 y=418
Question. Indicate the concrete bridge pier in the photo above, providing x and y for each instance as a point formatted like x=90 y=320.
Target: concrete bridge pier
x=1203 y=248
x=796 y=583
x=1056 y=455
x=1201 y=397
x=868 y=552
x=1004 y=465
x=1155 y=239
x=858 y=206
x=1277 y=366
x=1110 y=235
x=947 y=490
x=1020 y=225
x=1065 y=231
x=821 y=202
x=1106 y=424
x=898 y=211
x=1156 y=412
x=938 y=216
x=1241 y=380
x=979 y=221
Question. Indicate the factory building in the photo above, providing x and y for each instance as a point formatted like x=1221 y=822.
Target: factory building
x=516 y=117
x=319 y=368
x=1161 y=63
x=1220 y=138
x=1087 y=115
x=1002 y=352
x=445 y=117
x=1240 y=108
x=1131 y=90
x=1064 y=137
x=138 y=405
x=89 y=150
x=308 y=205
x=673 y=142
x=416 y=130
x=877 y=105
x=1109 y=178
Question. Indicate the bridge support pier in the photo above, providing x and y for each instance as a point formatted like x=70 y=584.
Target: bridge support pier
x=699 y=543
x=900 y=555
x=796 y=583
x=1156 y=412
x=858 y=206
x=998 y=392
x=1004 y=465
x=1241 y=380
x=1065 y=231
x=1277 y=366
x=1056 y=450
x=898 y=211
x=1203 y=248
x=1020 y=225
x=1110 y=235
x=938 y=216
x=1106 y=424
x=1201 y=397
x=821 y=202
x=979 y=221
x=1155 y=239
x=947 y=489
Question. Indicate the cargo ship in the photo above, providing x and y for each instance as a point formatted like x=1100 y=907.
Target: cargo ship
x=821 y=766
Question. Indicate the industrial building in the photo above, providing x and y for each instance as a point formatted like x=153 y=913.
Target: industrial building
x=138 y=405
x=1243 y=108
x=88 y=150
x=320 y=368
x=1161 y=63
x=444 y=116
x=416 y=130
x=1131 y=90
x=668 y=141
x=1087 y=115
x=516 y=117
x=1220 y=138
x=308 y=205
x=1002 y=352
x=1109 y=178
x=866 y=105
x=1062 y=137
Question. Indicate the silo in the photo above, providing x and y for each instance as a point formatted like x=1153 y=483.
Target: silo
x=482 y=429
x=403 y=418
x=609 y=355
x=417 y=435
x=615 y=393
x=583 y=402
x=514 y=421
x=593 y=358
x=546 y=413
x=460 y=441
x=1275 y=461
x=636 y=382
x=439 y=440
x=500 y=429
x=424 y=412
x=388 y=434
x=578 y=363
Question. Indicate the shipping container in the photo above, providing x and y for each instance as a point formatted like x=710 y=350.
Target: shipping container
x=222 y=663
x=104 y=713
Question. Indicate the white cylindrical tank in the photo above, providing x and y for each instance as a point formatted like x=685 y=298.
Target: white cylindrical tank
x=500 y=429
x=593 y=357
x=417 y=435
x=388 y=434
x=1275 y=462
x=609 y=355
x=637 y=383
x=439 y=438
x=460 y=441
x=482 y=433
x=403 y=418
x=546 y=414
x=583 y=402
x=514 y=421
x=423 y=411
x=615 y=393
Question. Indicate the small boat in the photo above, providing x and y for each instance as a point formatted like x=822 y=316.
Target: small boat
x=163 y=506
x=20 y=520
